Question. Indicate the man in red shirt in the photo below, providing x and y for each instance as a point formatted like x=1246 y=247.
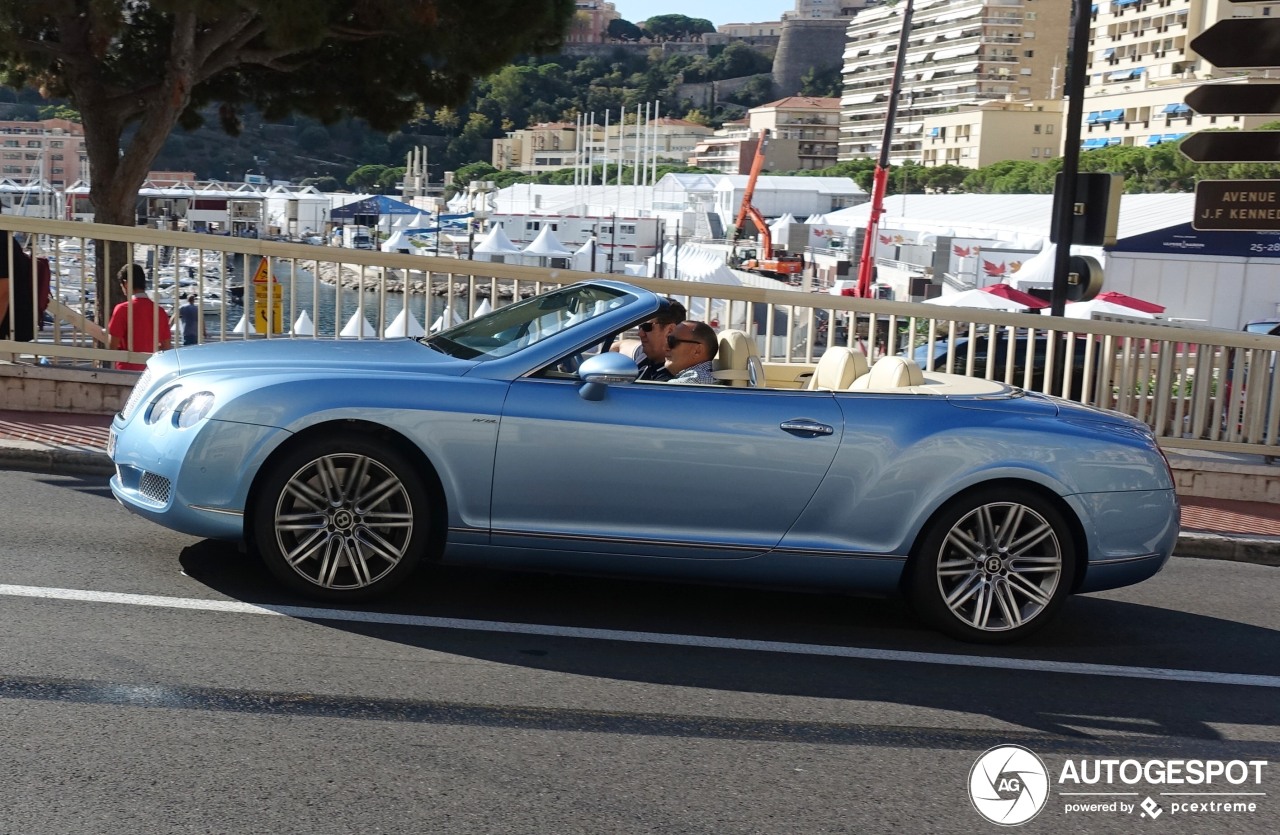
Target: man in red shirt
x=139 y=323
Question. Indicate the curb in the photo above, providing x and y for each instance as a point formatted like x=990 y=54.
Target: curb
x=1258 y=550
x=42 y=459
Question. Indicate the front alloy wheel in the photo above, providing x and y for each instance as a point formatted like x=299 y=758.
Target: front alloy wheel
x=342 y=520
x=994 y=568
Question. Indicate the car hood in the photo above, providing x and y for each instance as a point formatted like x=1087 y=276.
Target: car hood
x=274 y=356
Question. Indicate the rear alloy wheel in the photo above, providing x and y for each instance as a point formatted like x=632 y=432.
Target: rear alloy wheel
x=994 y=568
x=342 y=520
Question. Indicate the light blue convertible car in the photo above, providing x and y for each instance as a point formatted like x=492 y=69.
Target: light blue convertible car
x=518 y=439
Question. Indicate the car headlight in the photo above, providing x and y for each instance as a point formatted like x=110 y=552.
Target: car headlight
x=186 y=410
x=163 y=405
x=192 y=410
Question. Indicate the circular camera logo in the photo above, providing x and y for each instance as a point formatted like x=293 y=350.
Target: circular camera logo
x=1008 y=785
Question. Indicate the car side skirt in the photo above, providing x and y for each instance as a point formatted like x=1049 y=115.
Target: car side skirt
x=870 y=573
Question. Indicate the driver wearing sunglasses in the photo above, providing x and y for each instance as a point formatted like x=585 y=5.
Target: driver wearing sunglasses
x=651 y=356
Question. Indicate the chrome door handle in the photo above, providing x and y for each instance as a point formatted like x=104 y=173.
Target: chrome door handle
x=806 y=428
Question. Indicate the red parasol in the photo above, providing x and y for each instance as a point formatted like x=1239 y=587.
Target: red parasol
x=1013 y=294
x=1130 y=301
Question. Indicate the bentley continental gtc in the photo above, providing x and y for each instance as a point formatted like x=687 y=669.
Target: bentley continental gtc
x=519 y=439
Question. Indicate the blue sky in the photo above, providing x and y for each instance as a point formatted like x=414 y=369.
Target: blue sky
x=716 y=11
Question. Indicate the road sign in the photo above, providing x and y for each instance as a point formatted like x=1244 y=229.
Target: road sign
x=268 y=300
x=1233 y=146
x=1237 y=206
x=268 y=307
x=1240 y=43
x=262 y=275
x=1235 y=99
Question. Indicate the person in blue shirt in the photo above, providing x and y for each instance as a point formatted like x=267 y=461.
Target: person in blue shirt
x=189 y=314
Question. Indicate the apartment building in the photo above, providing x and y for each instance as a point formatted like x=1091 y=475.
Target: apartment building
x=551 y=146
x=804 y=135
x=547 y=146
x=764 y=29
x=959 y=53
x=973 y=136
x=1141 y=68
x=51 y=150
x=806 y=129
x=590 y=20
x=822 y=9
x=729 y=150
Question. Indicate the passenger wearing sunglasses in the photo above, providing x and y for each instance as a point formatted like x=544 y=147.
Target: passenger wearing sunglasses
x=651 y=356
x=690 y=349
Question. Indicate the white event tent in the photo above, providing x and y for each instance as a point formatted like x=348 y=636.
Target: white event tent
x=496 y=243
x=546 y=245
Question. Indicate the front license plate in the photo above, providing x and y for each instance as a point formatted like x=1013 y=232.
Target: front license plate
x=111 y=444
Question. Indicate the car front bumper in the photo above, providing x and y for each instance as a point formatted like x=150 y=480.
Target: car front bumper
x=190 y=480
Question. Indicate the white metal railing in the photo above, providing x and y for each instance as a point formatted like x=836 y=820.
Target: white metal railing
x=1196 y=388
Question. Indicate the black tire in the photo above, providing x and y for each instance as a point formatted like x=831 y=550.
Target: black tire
x=342 y=519
x=993 y=567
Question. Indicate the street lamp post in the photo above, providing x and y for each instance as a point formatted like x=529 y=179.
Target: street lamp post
x=478 y=192
x=440 y=205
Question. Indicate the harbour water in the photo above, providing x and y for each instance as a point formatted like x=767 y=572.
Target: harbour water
x=330 y=308
x=327 y=308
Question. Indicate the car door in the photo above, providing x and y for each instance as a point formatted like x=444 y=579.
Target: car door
x=658 y=469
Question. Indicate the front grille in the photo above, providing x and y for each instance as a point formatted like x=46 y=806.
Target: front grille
x=144 y=382
x=154 y=487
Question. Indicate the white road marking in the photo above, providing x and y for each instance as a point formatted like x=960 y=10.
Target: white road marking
x=860 y=653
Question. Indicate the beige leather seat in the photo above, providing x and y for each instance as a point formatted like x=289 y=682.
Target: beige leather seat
x=737 y=361
x=890 y=373
x=837 y=369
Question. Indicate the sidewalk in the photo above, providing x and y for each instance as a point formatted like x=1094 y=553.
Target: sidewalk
x=1245 y=531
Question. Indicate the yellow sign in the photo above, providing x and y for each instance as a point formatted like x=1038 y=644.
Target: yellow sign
x=268 y=297
x=263 y=273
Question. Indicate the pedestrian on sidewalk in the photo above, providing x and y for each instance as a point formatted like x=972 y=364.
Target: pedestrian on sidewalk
x=138 y=324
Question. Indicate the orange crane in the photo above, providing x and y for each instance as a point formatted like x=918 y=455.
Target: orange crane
x=765 y=264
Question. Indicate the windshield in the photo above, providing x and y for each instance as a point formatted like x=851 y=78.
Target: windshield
x=508 y=329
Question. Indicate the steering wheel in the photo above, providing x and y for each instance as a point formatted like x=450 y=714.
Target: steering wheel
x=570 y=364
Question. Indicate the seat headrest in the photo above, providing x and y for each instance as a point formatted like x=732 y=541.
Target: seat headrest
x=737 y=361
x=735 y=348
x=838 y=368
x=894 y=372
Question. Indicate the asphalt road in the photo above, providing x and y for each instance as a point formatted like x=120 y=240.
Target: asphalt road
x=154 y=682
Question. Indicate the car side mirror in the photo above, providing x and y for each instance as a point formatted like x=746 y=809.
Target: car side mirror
x=601 y=370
